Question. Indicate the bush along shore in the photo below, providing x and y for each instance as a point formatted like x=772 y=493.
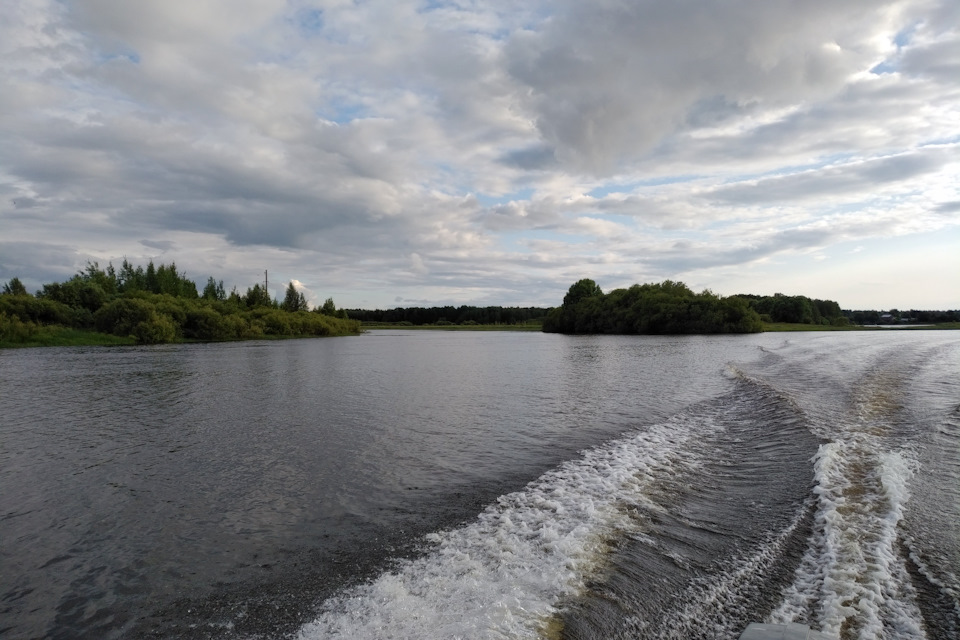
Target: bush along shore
x=665 y=308
x=153 y=306
x=672 y=308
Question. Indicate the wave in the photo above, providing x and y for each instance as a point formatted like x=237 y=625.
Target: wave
x=854 y=580
x=506 y=574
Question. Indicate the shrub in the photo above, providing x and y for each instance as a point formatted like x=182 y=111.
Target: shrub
x=121 y=316
x=277 y=323
x=14 y=330
x=176 y=308
x=39 y=311
x=157 y=329
x=203 y=323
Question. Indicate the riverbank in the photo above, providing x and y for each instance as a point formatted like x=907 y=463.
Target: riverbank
x=56 y=336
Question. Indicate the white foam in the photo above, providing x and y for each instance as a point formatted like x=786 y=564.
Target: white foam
x=504 y=575
x=852 y=574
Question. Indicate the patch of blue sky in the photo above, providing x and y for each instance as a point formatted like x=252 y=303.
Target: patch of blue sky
x=937 y=142
x=819 y=163
x=630 y=187
x=310 y=21
x=902 y=39
x=129 y=56
x=905 y=35
x=884 y=67
x=343 y=112
x=520 y=195
x=433 y=5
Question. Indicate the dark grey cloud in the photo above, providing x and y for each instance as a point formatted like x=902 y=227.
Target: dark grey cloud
x=38 y=263
x=536 y=158
x=24 y=203
x=161 y=245
x=948 y=207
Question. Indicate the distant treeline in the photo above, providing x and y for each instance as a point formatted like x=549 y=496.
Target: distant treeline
x=798 y=309
x=463 y=315
x=665 y=308
x=159 y=304
x=895 y=316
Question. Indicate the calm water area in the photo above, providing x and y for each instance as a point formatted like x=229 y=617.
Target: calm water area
x=428 y=485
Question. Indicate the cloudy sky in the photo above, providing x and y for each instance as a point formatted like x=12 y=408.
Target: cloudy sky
x=399 y=152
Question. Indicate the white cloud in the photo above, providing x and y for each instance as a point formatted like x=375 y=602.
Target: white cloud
x=474 y=152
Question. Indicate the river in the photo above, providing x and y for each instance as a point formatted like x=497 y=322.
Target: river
x=410 y=484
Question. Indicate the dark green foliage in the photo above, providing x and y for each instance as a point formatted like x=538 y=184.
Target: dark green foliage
x=151 y=306
x=121 y=316
x=665 y=308
x=41 y=311
x=106 y=280
x=294 y=300
x=14 y=288
x=14 y=330
x=328 y=308
x=416 y=316
x=163 y=279
x=159 y=328
x=795 y=309
x=257 y=296
x=214 y=290
x=77 y=292
x=203 y=323
x=581 y=289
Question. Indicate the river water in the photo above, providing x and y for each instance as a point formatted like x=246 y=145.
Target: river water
x=483 y=485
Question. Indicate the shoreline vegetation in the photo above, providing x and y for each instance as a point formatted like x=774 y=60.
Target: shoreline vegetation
x=156 y=305
x=672 y=308
x=665 y=308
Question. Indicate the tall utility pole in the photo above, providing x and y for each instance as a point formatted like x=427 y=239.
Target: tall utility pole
x=266 y=286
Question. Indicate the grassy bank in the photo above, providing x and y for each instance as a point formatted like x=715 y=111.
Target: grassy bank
x=56 y=336
x=59 y=336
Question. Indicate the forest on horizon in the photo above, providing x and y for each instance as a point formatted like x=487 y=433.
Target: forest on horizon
x=159 y=304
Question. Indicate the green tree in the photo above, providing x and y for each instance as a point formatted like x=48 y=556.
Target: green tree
x=105 y=279
x=214 y=290
x=150 y=281
x=328 y=308
x=156 y=329
x=131 y=278
x=257 y=296
x=666 y=308
x=14 y=288
x=581 y=289
x=122 y=316
x=293 y=300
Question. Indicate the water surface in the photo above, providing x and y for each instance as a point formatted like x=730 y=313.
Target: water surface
x=437 y=485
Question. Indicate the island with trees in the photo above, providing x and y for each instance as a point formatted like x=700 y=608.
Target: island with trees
x=672 y=308
x=156 y=304
x=665 y=308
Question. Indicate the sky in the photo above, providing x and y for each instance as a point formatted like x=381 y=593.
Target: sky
x=421 y=153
